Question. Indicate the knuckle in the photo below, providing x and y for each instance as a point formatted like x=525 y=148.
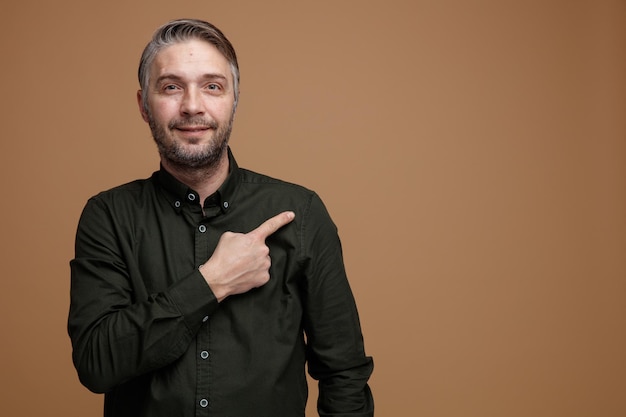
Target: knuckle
x=265 y=264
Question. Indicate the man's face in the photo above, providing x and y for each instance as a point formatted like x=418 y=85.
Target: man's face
x=190 y=104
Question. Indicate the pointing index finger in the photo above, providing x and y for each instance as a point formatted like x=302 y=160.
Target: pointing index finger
x=272 y=224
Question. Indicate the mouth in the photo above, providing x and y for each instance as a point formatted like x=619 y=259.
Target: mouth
x=192 y=129
x=199 y=125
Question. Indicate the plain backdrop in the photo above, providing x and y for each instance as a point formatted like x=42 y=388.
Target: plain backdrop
x=472 y=154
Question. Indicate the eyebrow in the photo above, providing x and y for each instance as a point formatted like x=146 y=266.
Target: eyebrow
x=174 y=77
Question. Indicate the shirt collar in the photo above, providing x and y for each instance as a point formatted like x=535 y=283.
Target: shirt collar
x=179 y=194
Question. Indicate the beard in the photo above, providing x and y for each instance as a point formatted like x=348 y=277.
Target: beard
x=208 y=155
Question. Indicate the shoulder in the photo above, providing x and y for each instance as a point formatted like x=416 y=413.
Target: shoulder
x=262 y=182
x=272 y=191
x=128 y=194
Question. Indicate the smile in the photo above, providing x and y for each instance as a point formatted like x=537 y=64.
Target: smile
x=198 y=129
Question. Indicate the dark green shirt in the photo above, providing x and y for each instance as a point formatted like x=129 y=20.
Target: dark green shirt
x=148 y=332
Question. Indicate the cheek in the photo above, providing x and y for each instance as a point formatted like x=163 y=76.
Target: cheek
x=225 y=111
x=163 y=111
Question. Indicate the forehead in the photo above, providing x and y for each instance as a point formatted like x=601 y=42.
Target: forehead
x=190 y=58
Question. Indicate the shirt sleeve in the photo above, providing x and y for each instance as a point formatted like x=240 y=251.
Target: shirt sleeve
x=118 y=333
x=335 y=349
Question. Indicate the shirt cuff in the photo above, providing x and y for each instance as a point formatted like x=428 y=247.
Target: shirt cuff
x=194 y=299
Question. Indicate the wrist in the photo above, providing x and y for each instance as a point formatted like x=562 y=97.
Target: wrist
x=219 y=291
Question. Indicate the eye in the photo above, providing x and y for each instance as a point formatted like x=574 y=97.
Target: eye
x=170 y=87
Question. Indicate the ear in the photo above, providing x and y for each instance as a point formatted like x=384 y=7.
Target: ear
x=144 y=115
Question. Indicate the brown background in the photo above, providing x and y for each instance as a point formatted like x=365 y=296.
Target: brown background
x=472 y=153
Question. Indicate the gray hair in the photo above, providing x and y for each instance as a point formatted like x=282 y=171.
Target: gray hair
x=182 y=30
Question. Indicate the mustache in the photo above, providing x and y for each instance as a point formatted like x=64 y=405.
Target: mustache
x=192 y=121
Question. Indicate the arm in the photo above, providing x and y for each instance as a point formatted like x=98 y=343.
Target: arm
x=335 y=350
x=118 y=330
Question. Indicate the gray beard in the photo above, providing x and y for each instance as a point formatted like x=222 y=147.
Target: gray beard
x=207 y=158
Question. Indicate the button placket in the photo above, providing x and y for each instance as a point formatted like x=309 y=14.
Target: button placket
x=204 y=236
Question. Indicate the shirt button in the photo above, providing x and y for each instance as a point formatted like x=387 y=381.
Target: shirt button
x=204 y=354
x=202 y=228
x=177 y=204
x=226 y=204
x=191 y=196
x=204 y=403
x=205 y=319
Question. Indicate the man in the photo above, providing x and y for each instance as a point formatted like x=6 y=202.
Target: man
x=203 y=290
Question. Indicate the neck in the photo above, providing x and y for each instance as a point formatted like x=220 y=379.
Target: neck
x=205 y=180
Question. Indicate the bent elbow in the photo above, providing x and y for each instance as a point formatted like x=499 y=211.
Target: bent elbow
x=95 y=382
x=93 y=375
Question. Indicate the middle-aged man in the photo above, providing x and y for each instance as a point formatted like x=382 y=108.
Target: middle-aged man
x=204 y=289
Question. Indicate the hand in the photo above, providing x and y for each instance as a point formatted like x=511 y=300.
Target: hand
x=241 y=261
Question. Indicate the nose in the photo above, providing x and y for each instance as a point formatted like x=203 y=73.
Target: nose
x=191 y=103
